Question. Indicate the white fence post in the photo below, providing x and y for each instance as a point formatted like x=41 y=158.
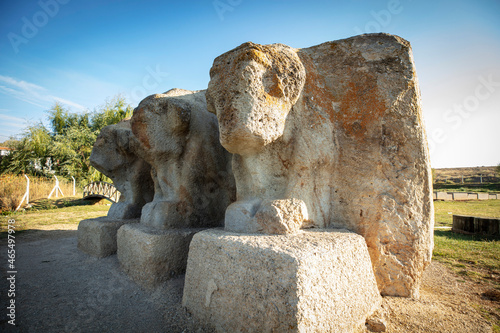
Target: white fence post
x=56 y=188
x=74 y=182
x=26 y=195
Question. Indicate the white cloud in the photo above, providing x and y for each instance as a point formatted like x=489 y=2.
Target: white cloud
x=20 y=84
x=11 y=118
x=21 y=95
x=32 y=93
x=67 y=102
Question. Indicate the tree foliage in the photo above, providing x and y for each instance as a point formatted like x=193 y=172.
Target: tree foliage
x=65 y=147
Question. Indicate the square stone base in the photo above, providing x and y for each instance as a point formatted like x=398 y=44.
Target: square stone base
x=150 y=255
x=313 y=281
x=97 y=237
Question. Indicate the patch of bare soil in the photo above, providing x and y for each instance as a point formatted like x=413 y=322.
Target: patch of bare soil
x=447 y=303
x=60 y=289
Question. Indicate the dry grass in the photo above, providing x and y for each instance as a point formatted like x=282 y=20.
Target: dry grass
x=466 y=172
x=53 y=214
x=12 y=189
x=470 y=175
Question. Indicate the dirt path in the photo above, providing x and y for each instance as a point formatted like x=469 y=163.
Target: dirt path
x=60 y=289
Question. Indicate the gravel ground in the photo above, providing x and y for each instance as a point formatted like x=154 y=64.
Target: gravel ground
x=60 y=289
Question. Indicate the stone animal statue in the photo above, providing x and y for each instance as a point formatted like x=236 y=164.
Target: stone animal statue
x=191 y=171
x=330 y=136
x=115 y=154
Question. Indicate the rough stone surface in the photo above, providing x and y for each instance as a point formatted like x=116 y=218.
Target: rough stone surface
x=338 y=126
x=150 y=255
x=192 y=172
x=115 y=155
x=376 y=324
x=97 y=237
x=311 y=281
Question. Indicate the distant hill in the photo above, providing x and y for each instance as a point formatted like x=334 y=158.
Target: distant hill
x=470 y=175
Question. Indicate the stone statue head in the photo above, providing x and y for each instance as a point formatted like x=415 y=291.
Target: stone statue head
x=111 y=153
x=164 y=120
x=252 y=90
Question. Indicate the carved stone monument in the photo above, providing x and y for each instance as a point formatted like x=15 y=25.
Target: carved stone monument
x=115 y=155
x=192 y=173
x=336 y=131
x=325 y=137
x=193 y=184
x=327 y=204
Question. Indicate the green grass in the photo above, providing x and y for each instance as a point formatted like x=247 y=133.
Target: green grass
x=464 y=252
x=467 y=254
x=47 y=212
x=444 y=210
x=473 y=257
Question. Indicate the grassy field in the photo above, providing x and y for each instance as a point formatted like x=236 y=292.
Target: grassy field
x=474 y=257
x=45 y=212
x=444 y=210
x=12 y=189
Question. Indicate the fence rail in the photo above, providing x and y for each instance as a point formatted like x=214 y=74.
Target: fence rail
x=101 y=190
x=462 y=196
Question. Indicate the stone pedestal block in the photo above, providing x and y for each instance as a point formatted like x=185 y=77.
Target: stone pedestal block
x=97 y=237
x=482 y=196
x=313 y=281
x=151 y=256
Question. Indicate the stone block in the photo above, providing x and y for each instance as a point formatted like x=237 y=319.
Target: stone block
x=314 y=281
x=494 y=227
x=493 y=196
x=480 y=225
x=458 y=196
x=441 y=195
x=472 y=196
x=97 y=237
x=463 y=223
x=482 y=196
x=151 y=256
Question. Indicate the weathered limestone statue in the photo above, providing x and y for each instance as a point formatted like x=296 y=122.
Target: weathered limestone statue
x=330 y=136
x=115 y=155
x=193 y=184
x=191 y=170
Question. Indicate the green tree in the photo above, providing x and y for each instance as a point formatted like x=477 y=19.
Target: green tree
x=113 y=111
x=30 y=153
x=65 y=148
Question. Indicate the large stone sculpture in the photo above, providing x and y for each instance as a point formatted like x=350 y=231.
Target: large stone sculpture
x=193 y=184
x=330 y=204
x=115 y=154
x=191 y=170
x=330 y=136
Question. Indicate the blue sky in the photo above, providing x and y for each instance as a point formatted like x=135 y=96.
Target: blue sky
x=81 y=53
